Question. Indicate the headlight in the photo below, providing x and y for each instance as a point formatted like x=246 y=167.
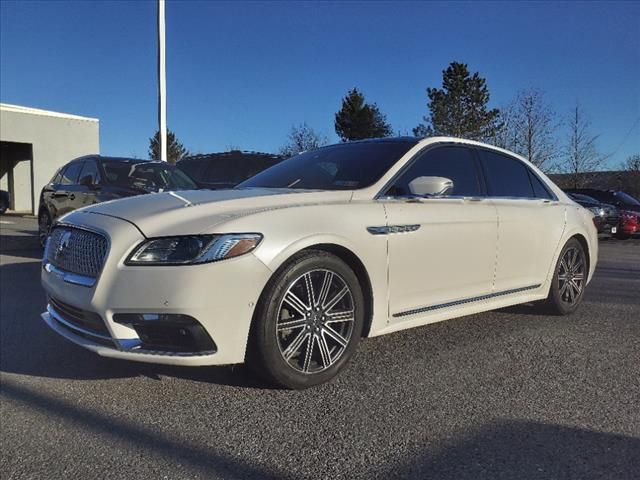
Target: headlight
x=597 y=211
x=193 y=249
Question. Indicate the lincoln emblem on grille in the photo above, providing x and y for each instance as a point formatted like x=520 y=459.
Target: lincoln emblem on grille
x=65 y=240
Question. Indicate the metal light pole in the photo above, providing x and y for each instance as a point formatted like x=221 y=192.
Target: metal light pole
x=162 y=84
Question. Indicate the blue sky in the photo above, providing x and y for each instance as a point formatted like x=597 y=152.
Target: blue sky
x=240 y=73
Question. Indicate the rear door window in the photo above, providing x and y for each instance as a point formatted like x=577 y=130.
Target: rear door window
x=70 y=173
x=90 y=170
x=539 y=189
x=506 y=176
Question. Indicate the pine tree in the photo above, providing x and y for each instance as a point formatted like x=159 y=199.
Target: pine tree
x=357 y=119
x=175 y=150
x=460 y=107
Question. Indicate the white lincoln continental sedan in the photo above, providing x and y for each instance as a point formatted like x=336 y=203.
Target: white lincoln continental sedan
x=289 y=270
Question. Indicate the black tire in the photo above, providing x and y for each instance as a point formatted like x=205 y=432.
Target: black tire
x=271 y=341
x=44 y=227
x=568 y=284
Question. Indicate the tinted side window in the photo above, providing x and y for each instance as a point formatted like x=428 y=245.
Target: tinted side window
x=90 y=170
x=70 y=173
x=454 y=163
x=506 y=177
x=539 y=189
x=57 y=177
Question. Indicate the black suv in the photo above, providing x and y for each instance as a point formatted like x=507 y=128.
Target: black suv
x=94 y=179
x=606 y=217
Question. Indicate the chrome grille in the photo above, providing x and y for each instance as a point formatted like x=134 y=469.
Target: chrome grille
x=76 y=250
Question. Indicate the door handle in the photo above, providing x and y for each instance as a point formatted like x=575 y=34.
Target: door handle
x=60 y=194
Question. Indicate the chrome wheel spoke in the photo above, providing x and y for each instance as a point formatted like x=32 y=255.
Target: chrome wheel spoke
x=324 y=350
x=295 y=345
x=576 y=287
x=291 y=324
x=326 y=286
x=337 y=317
x=292 y=299
x=563 y=288
x=335 y=335
x=309 y=354
x=310 y=293
x=338 y=296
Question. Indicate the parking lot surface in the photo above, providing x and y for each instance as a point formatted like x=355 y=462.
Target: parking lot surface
x=501 y=395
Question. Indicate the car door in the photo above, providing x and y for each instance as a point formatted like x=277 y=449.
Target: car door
x=530 y=221
x=60 y=198
x=75 y=191
x=443 y=249
x=48 y=198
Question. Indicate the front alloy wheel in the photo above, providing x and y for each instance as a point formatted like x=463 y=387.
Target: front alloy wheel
x=308 y=322
x=315 y=321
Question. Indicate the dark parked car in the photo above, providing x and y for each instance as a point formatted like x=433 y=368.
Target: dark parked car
x=4 y=201
x=94 y=179
x=628 y=207
x=606 y=217
x=226 y=170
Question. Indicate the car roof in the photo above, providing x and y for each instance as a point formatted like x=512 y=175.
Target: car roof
x=119 y=159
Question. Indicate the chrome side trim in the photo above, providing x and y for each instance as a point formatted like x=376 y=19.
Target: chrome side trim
x=386 y=230
x=73 y=327
x=70 y=277
x=464 y=301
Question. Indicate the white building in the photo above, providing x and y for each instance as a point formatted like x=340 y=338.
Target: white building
x=34 y=144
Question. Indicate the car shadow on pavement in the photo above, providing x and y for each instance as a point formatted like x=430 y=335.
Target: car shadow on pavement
x=204 y=460
x=526 y=450
x=504 y=449
x=23 y=246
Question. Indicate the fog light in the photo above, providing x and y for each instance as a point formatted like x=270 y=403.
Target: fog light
x=168 y=332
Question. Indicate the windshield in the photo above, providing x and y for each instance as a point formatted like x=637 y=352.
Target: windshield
x=627 y=199
x=346 y=166
x=147 y=176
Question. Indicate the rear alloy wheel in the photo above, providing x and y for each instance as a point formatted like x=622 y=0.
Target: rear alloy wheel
x=309 y=322
x=569 y=279
x=44 y=227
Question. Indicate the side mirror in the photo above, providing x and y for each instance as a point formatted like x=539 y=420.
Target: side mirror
x=431 y=186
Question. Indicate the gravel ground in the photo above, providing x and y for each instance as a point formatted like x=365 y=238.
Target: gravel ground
x=501 y=395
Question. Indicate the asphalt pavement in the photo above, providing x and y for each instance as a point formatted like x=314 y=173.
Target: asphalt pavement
x=502 y=395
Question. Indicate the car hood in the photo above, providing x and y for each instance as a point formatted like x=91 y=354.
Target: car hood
x=199 y=211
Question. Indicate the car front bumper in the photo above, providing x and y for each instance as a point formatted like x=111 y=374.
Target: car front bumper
x=220 y=296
